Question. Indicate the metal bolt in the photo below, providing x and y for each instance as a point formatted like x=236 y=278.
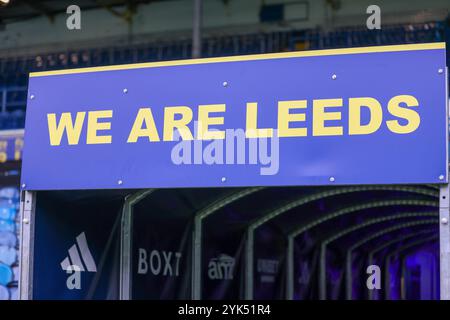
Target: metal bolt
x=25 y=220
x=23 y=186
x=224 y=179
x=32 y=97
x=441 y=71
x=334 y=77
x=125 y=90
x=441 y=177
x=225 y=84
x=332 y=179
x=444 y=220
x=119 y=182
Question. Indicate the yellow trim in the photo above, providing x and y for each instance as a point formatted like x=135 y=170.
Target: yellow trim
x=253 y=57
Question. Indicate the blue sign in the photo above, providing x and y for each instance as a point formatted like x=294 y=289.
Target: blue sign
x=372 y=115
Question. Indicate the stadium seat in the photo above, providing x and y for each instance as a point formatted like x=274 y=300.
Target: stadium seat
x=8 y=239
x=6 y=274
x=8 y=255
x=7 y=226
x=4 y=293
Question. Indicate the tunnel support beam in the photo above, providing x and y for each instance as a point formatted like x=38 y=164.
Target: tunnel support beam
x=126 y=236
x=197 y=235
x=290 y=269
x=444 y=241
x=249 y=264
x=197 y=259
x=27 y=214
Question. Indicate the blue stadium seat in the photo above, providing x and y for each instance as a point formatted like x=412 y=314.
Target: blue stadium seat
x=7 y=226
x=7 y=211
x=8 y=239
x=4 y=293
x=6 y=274
x=8 y=255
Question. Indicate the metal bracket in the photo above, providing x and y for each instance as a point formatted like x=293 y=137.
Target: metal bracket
x=444 y=241
x=27 y=217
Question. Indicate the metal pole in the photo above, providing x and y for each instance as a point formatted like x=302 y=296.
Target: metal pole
x=197 y=29
x=370 y=292
x=323 y=272
x=387 y=278
x=403 y=279
x=444 y=242
x=27 y=214
x=249 y=265
x=349 y=275
x=197 y=259
x=126 y=236
x=125 y=248
x=290 y=269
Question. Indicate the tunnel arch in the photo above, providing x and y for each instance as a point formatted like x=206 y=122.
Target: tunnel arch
x=396 y=240
x=397 y=251
x=349 y=252
x=326 y=242
x=231 y=197
x=308 y=199
x=335 y=214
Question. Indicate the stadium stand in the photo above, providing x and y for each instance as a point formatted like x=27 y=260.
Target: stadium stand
x=9 y=233
x=14 y=71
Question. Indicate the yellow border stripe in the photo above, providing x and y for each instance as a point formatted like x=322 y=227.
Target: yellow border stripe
x=253 y=57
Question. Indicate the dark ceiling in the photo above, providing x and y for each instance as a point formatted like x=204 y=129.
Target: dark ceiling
x=18 y=10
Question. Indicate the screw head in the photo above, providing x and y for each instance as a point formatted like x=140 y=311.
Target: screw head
x=25 y=220
x=332 y=179
x=334 y=77
x=125 y=90
x=224 y=179
x=225 y=84
x=441 y=71
x=23 y=185
x=119 y=182
x=444 y=221
x=32 y=97
x=441 y=177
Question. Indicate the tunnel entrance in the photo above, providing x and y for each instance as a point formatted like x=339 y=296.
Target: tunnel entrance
x=351 y=211
x=300 y=243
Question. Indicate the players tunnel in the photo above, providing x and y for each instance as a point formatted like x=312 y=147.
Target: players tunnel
x=278 y=191
x=237 y=243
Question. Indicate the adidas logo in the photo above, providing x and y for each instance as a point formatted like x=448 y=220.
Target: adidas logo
x=77 y=263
